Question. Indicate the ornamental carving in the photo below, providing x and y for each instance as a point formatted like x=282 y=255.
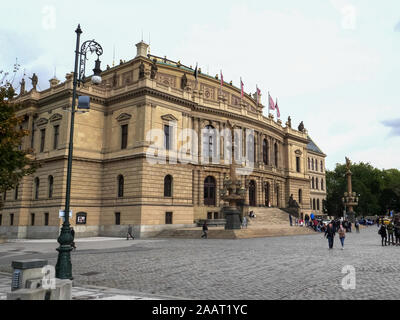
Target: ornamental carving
x=127 y=77
x=166 y=79
x=209 y=92
x=298 y=152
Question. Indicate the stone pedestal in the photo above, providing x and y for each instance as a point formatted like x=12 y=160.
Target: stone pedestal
x=232 y=216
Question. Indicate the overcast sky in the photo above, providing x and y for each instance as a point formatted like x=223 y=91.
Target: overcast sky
x=333 y=64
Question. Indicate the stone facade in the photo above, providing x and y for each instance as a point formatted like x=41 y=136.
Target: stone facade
x=113 y=183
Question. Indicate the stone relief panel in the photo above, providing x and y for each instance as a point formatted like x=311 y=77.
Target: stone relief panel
x=209 y=92
x=127 y=77
x=166 y=79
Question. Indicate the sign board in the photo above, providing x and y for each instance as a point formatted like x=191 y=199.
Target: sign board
x=61 y=213
x=81 y=218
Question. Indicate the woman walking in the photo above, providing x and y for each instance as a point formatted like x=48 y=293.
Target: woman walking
x=383 y=233
x=342 y=235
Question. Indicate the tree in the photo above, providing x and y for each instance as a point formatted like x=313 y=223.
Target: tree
x=379 y=190
x=14 y=163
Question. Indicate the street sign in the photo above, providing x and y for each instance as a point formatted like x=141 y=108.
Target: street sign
x=61 y=213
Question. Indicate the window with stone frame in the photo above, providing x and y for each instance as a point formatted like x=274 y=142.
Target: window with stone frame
x=124 y=136
x=42 y=139
x=168 y=186
x=56 y=136
x=120 y=186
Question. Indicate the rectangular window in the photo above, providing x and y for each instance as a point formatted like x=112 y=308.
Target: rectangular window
x=216 y=215
x=167 y=137
x=209 y=215
x=1 y=219
x=46 y=219
x=16 y=192
x=32 y=219
x=5 y=196
x=56 y=135
x=168 y=218
x=118 y=218
x=11 y=219
x=124 y=136
x=298 y=164
x=42 y=139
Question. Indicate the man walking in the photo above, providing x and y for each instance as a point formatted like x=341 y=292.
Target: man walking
x=382 y=232
x=330 y=234
x=390 y=231
x=130 y=233
x=205 y=230
x=342 y=235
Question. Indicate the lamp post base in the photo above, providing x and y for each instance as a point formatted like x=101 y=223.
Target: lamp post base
x=64 y=265
x=232 y=216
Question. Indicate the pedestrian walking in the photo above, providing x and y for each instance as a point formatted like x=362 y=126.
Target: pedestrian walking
x=73 y=238
x=357 y=225
x=342 y=236
x=330 y=235
x=382 y=232
x=290 y=220
x=397 y=233
x=130 y=233
x=205 y=230
x=244 y=222
x=390 y=231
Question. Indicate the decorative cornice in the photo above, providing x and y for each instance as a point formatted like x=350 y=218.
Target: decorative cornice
x=169 y=117
x=41 y=122
x=123 y=117
x=56 y=117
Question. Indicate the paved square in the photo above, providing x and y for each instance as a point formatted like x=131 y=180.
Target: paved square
x=297 y=267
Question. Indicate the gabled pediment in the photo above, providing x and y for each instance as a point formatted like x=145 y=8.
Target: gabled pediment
x=42 y=122
x=55 y=117
x=169 y=117
x=124 y=117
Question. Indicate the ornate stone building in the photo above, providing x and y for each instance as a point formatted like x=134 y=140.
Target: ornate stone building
x=316 y=169
x=113 y=182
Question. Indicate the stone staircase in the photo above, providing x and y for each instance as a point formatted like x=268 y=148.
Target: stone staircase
x=269 y=222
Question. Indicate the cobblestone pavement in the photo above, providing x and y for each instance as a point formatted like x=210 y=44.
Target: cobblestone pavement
x=297 y=267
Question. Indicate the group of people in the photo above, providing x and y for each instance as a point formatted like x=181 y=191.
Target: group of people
x=389 y=233
x=334 y=227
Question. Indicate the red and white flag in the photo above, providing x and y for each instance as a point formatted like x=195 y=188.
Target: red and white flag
x=271 y=104
x=258 y=95
x=242 y=86
x=222 y=79
x=278 y=113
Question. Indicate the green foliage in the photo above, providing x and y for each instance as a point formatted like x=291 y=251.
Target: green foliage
x=14 y=163
x=379 y=190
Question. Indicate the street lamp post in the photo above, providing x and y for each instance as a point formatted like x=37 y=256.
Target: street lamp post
x=64 y=266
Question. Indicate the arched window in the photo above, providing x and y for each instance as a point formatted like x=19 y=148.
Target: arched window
x=209 y=191
x=322 y=167
x=276 y=154
x=168 y=186
x=120 y=186
x=317 y=183
x=309 y=164
x=37 y=184
x=277 y=196
x=322 y=184
x=317 y=204
x=51 y=183
x=312 y=161
x=313 y=183
x=314 y=206
x=300 y=196
x=265 y=152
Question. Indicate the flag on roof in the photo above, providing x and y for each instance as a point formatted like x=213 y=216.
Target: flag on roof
x=278 y=113
x=271 y=104
x=196 y=72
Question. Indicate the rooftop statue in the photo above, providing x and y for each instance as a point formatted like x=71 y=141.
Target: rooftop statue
x=184 y=82
x=301 y=127
x=22 y=83
x=34 y=81
x=154 y=69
